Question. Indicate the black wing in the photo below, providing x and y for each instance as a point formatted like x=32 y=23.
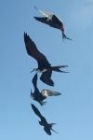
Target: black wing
x=46 y=78
x=34 y=52
x=42 y=19
x=36 y=111
x=34 y=80
x=56 y=21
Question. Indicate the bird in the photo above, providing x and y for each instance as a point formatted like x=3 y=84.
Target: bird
x=40 y=96
x=51 y=20
x=43 y=122
x=43 y=64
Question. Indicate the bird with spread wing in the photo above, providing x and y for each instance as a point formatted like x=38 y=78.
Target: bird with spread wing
x=43 y=64
x=43 y=122
x=40 y=96
x=51 y=20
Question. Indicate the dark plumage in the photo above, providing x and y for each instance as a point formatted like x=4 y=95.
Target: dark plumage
x=43 y=64
x=36 y=95
x=53 y=21
x=43 y=121
x=40 y=96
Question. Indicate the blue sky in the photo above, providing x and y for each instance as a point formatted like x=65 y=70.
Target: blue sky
x=73 y=110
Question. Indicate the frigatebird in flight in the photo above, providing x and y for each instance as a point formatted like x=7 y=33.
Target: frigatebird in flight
x=40 y=96
x=43 y=122
x=52 y=20
x=43 y=64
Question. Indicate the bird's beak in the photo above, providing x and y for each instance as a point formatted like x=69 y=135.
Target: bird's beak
x=32 y=70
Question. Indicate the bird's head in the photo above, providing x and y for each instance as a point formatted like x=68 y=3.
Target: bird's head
x=40 y=122
x=32 y=95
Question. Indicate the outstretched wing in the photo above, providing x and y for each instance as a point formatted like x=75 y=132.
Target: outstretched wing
x=46 y=78
x=34 y=80
x=42 y=19
x=36 y=111
x=45 y=14
x=47 y=92
x=34 y=52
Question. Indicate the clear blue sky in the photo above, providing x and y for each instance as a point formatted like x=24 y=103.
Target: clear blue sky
x=73 y=110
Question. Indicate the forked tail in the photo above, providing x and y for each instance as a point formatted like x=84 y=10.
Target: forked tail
x=65 y=37
x=52 y=128
x=54 y=131
x=58 y=68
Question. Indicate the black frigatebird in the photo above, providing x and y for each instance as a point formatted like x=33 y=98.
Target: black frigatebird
x=43 y=64
x=43 y=122
x=40 y=96
x=52 y=20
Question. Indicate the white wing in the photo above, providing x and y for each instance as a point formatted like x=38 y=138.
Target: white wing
x=47 y=92
x=46 y=14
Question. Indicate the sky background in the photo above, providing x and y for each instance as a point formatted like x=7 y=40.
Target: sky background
x=73 y=110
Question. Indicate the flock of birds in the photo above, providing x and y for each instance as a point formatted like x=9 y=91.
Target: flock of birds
x=44 y=67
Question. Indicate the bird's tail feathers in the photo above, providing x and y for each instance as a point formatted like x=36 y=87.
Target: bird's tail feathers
x=57 y=68
x=52 y=124
x=60 y=66
x=52 y=128
x=65 y=37
x=64 y=71
x=54 y=131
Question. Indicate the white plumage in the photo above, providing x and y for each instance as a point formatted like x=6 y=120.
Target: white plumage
x=47 y=92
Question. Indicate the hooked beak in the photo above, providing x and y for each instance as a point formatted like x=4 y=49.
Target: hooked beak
x=33 y=70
